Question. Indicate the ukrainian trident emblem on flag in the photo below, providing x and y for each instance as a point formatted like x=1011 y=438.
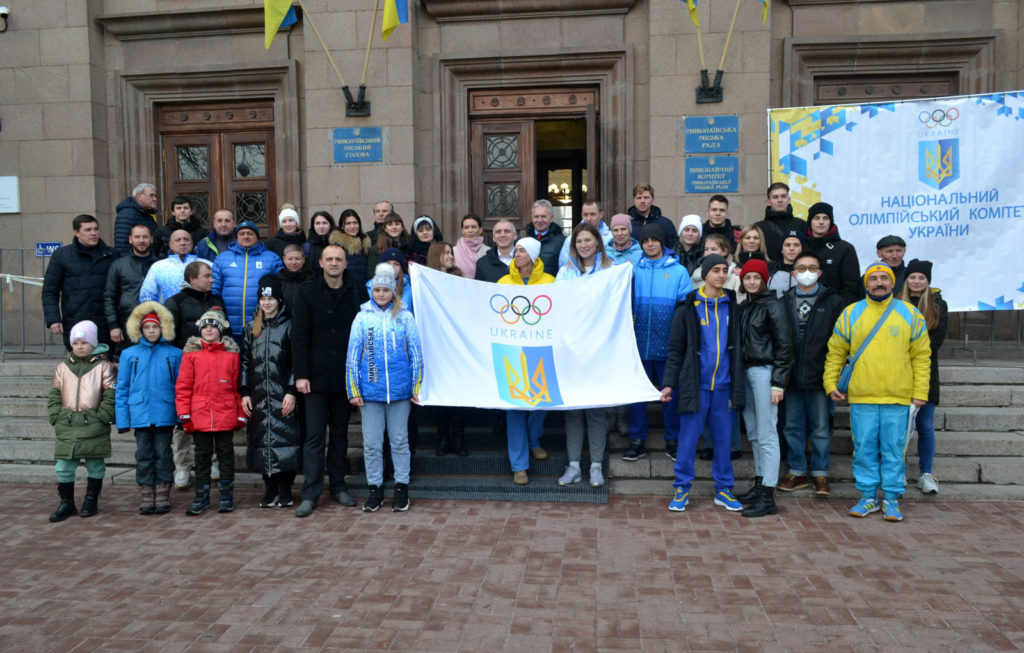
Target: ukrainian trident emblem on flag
x=938 y=162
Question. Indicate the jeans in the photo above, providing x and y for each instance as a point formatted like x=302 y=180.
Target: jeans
x=597 y=432
x=326 y=443
x=714 y=411
x=925 y=422
x=153 y=461
x=208 y=441
x=807 y=409
x=395 y=417
x=638 y=412
x=879 y=438
x=95 y=468
x=760 y=416
x=524 y=430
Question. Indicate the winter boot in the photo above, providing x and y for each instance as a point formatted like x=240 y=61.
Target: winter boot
x=147 y=500
x=226 y=503
x=401 y=501
x=284 y=489
x=66 y=491
x=374 y=499
x=201 y=501
x=90 y=504
x=163 y=498
x=763 y=505
x=752 y=492
x=269 y=499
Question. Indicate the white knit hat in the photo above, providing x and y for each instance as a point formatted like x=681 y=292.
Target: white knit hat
x=531 y=245
x=691 y=221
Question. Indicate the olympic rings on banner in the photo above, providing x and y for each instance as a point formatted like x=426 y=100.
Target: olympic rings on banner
x=939 y=117
x=521 y=308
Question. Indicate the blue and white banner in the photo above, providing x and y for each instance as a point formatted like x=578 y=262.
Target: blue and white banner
x=943 y=174
x=556 y=346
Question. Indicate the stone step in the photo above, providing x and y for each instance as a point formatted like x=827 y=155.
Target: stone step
x=959 y=418
x=29 y=367
x=702 y=491
x=25 y=386
x=981 y=395
x=979 y=375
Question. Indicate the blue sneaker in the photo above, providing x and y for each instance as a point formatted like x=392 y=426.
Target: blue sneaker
x=891 y=510
x=725 y=499
x=679 y=501
x=864 y=508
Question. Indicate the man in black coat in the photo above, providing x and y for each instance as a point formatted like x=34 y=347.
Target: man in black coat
x=548 y=233
x=74 y=281
x=137 y=208
x=778 y=220
x=322 y=318
x=124 y=279
x=812 y=309
x=840 y=268
x=644 y=212
x=182 y=217
x=493 y=265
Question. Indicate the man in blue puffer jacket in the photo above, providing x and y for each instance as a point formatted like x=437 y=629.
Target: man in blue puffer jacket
x=658 y=285
x=237 y=272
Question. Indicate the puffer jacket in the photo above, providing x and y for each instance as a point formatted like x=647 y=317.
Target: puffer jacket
x=937 y=336
x=775 y=226
x=165 y=278
x=654 y=216
x=384 y=361
x=896 y=365
x=236 y=277
x=207 y=388
x=550 y=243
x=212 y=246
x=162 y=237
x=631 y=254
x=571 y=269
x=705 y=334
x=840 y=268
x=147 y=374
x=80 y=406
x=537 y=276
x=767 y=338
x=121 y=292
x=658 y=285
x=689 y=259
x=809 y=354
x=188 y=306
x=74 y=282
x=266 y=376
x=282 y=240
x=129 y=214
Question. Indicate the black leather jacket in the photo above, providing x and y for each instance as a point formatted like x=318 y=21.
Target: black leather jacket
x=767 y=336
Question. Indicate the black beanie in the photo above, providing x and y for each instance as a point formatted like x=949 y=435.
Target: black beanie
x=924 y=267
x=710 y=261
x=652 y=230
x=821 y=207
x=270 y=286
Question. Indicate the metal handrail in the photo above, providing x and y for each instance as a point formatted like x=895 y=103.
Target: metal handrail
x=21 y=302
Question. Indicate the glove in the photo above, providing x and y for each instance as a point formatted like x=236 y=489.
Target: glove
x=186 y=424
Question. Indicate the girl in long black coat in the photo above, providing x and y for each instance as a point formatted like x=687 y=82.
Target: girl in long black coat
x=267 y=386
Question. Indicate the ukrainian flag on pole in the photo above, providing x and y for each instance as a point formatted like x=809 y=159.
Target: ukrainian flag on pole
x=395 y=12
x=276 y=14
x=764 y=10
x=692 y=5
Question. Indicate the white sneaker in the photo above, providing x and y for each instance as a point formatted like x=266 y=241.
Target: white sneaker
x=214 y=472
x=181 y=479
x=927 y=484
x=571 y=475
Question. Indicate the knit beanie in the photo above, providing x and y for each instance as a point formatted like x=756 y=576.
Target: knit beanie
x=247 y=224
x=394 y=254
x=756 y=266
x=821 y=207
x=150 y=318
x=271 y=286
x=531 y=245
x=621 y=219
x=287 y=214
x=710 y=261
x=85 y=330
x=793 y=233
x=652 y=230
x=691 y=221
x=924 y=267
x=878 y=266
x=216 y=318
x=384 y=277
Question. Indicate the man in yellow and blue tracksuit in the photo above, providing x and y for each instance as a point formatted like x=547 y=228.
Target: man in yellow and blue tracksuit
x=891 y=373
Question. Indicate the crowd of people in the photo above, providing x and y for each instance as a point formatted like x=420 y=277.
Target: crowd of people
x=184 y=337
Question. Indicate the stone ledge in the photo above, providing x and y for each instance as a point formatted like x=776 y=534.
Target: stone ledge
x=178 y=24
x=458 y=10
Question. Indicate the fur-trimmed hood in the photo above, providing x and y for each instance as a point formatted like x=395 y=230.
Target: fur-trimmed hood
x=195 y=343
x=133 y=325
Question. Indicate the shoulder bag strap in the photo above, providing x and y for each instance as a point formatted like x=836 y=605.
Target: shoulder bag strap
x=878 y=325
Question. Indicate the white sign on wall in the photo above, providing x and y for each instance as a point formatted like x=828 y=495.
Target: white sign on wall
x=9 y=200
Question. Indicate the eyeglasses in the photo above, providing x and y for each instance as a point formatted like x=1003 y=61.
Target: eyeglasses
x=807 y=268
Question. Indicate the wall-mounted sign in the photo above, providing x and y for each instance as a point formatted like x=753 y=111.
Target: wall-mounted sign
x=46 y=249
x=704 y=134
x=9 y=199
x=358 y=145
x=712 y=174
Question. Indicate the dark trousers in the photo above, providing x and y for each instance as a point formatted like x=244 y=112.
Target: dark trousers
x=153 y=461
x=327 y=415
x=208 y=441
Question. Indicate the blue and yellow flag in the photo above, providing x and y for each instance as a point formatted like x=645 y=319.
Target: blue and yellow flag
x=692 y=5
x=764 y=10
x=395 y=12
x=276 y=14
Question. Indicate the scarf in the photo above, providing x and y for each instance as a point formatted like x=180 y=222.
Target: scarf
x=467 y=251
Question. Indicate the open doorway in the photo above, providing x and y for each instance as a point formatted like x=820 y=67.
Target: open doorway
x=562 y=175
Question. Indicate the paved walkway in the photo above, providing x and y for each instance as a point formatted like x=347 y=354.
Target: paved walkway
x=473 y=576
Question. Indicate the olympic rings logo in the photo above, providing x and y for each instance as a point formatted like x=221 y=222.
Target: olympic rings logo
x=521 y=308
x=939 y=118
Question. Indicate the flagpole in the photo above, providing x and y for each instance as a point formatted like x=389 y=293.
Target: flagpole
x=369 y=41
x=309 y=17
x=700 y=47
x=728 y=38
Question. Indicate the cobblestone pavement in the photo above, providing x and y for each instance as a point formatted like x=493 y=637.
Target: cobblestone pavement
x=472 y=576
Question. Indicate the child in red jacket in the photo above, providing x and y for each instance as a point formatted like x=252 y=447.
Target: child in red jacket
x=210 y=407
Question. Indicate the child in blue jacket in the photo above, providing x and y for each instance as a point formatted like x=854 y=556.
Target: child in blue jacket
x=144 y=401
x=384 y=369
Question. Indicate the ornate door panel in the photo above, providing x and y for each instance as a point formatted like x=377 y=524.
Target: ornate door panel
x=502 y=161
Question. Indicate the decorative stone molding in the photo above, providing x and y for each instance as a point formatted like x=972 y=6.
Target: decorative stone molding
x=456 y=10
x=190 y=22
x=970 y=57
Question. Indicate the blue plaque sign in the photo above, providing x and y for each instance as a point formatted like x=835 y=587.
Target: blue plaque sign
x=358 y=145
x=712 y=174
x=46 y=249
x=705 y=134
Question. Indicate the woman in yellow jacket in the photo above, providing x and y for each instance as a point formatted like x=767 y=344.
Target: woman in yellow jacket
x=525 y=426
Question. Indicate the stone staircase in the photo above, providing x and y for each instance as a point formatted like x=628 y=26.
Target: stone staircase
x=979 y=428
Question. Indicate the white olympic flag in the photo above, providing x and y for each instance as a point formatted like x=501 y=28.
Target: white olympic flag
x=559 y=346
